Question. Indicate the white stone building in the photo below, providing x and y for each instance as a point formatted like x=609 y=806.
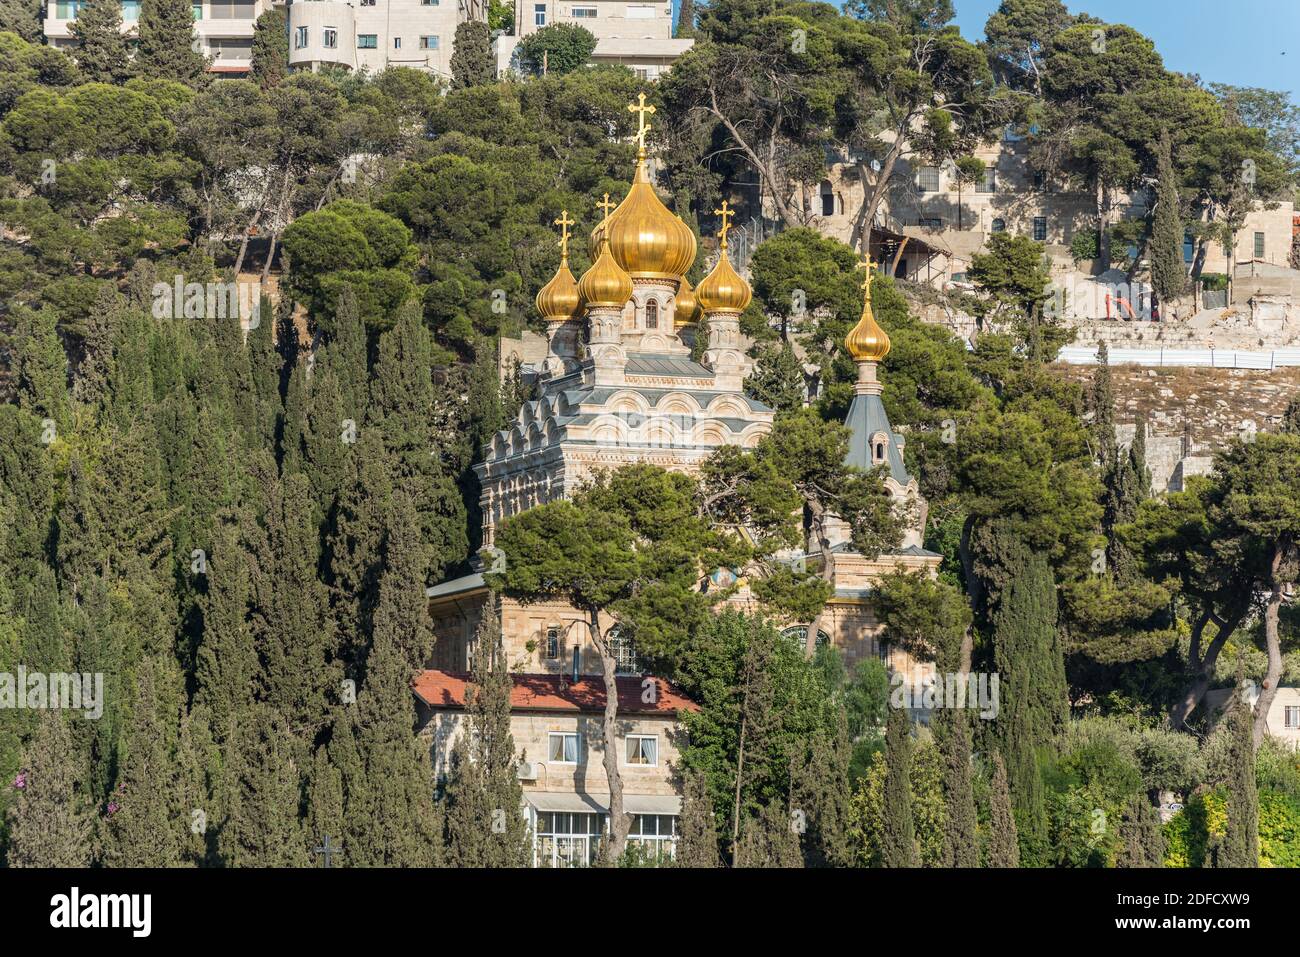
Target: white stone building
x=375 y=34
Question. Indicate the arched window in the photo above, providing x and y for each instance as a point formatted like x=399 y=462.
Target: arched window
x=651 y=314
x=880 y=451
x=999 y=225
x=798 y=635
x=828 y=198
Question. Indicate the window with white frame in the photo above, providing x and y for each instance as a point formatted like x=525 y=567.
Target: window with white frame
x=331 y=38
x=397 y=43
x=643 y=750
x=568 y=839
x=539 y=14
x=300 y=38
x=1291 y=716
x=563 y=747
x=1259 y=245
x=656 y=833
x=640 y=11
x=624 y=652
x=552 y=649
x=584 y=13
x=429 y=43
x=367 y=41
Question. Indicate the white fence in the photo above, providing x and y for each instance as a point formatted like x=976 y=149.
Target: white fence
x=1215 y=358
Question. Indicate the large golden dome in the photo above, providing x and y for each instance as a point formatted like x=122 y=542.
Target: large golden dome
x=605 y=283
x=645 y=239
x=866 y=341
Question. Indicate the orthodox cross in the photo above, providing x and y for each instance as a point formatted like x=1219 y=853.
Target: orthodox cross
x=726 y=212
x=606 y=205
x=328 y=851
x=867 y=264
x=643 y=127
x=564 y=222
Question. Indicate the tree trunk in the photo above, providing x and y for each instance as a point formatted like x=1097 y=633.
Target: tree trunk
x=1103 y=226
x=619 y=825
x=861 y=237
x=740 y=776
x=827 y=572
x=1203 y=669
x=1272 y=644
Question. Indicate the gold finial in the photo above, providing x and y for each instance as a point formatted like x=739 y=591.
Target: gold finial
x=867 y=342
x=643 y=127
x=726 y=212
x=868 y=265
x=564 y=222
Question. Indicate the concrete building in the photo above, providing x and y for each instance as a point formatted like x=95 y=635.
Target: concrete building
x=1283 y=720
x=556 y=728
x=374 y=34
x=636 y=35
x=223 y=27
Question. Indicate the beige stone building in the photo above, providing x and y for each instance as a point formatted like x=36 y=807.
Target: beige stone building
x=930 y=224
x=556 y=727
x=1283 y=720
x=619 y=386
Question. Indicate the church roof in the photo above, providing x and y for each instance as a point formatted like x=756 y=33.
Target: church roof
x=867 y=418
x=540 y=692
x=650 y=363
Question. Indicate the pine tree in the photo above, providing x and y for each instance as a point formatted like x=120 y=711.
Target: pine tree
x=168 y=48
x=264 y=826
x=52 y=822
x=697 y=829
x=1240 y=847
x=41 y=367
x=22 y=17
x=1142 y=843
x=898 y=847
x=472 y=63
x=960 y=839
x=1168 y=273
x=270 y=62
x=1029 y=658
x=102 y=51
x=91 y=383
x=145 y=810
x=1004 y=842
x=484 y=825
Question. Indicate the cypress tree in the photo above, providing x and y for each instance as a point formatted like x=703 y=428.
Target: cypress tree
x=1142 y=843
x=820 y=788
x=1240 y=847
x=1168 y=273
x=1029 y=658
x=41 y=367
x=91 y=383
x=769 y=839
x=356 y=542
x=168 y=48
x=960 y=838
x=102 y=52
x=270 y=62
x=484 y=825
x=264 y=826
x=146 y=813
x=472 y=63
x=686 y=19
x=330 y=434
x=898 y=847
x=226 y=665
x=325 y=806
x=697 y=828
x=1103 y=410
x=349 y=355
x=1004 y=842
x=52 y=822
x=204 y=797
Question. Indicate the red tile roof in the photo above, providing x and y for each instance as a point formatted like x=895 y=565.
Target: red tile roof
x=444 y=689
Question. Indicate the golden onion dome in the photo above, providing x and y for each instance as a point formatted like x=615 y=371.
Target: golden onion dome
x=559 y=299
x=605 y=283
x=645 y=239
x=866 y=341
x=687 y=308
x=723 y=289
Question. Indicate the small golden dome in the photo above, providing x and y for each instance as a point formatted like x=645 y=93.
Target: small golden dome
x=605 y=283
x=723 y=289
x=559 y=299
x=866 y=341
x=687 y=308
x=645 y=239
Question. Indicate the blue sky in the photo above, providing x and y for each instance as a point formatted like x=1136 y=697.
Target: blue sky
x=1224 y=41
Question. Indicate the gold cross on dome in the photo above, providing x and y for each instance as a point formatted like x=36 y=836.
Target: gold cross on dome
x=726 y=212
x=868 y=265
x=606 y=205
x=564 y=222
x=643 y=127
